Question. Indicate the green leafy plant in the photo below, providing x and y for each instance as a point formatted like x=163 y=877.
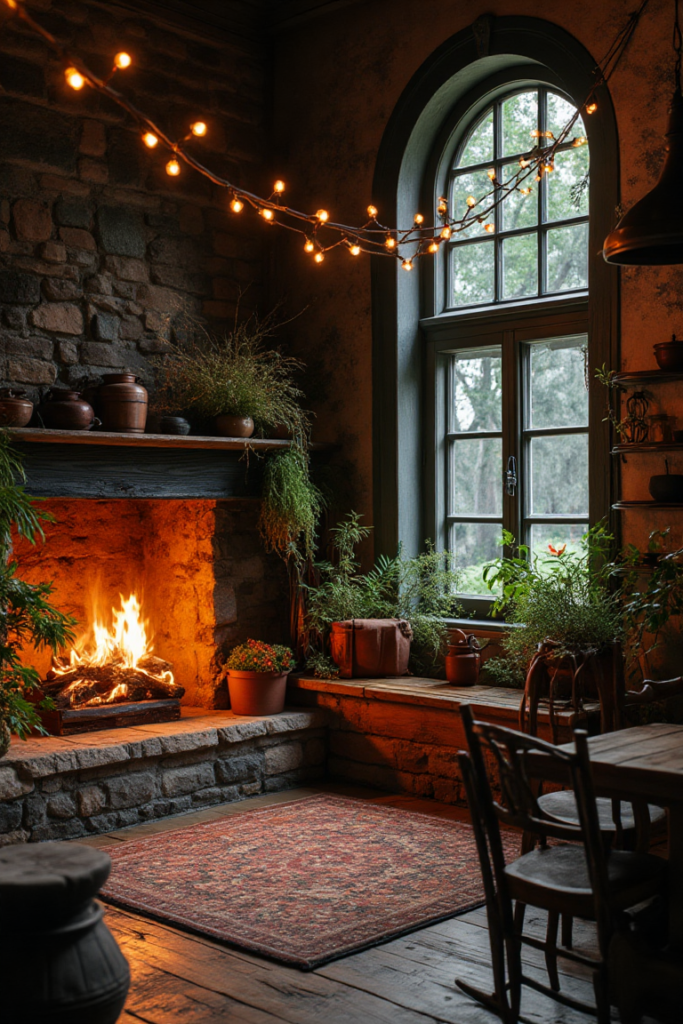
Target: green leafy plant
x=420 y=589
x=322 y=666
x=257 y=656
x=26 y=615
x=291 y=505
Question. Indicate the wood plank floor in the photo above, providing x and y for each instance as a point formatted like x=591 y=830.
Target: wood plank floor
x=178 y=977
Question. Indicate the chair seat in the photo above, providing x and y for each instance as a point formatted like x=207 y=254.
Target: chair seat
x=556 y=878
x=562 y=804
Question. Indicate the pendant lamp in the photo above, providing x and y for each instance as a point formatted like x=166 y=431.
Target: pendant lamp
x=651 y=233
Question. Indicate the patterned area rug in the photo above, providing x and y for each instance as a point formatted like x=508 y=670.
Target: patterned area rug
x=303 y=882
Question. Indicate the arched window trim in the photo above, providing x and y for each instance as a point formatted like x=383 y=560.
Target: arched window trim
x=416 y=136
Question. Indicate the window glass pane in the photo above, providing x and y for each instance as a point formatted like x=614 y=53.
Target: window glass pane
x=567 y=258
x=477 y=184
x=476 y=476
x=560 y=111
x=519 y=118
x=474 y=545
x=520 y=266
x=473 y=273
x=519 y=211
x=479 y=146
x=571 y=168
x=477 y=391
x=559 y=475
x=559 y=397
x=547 y=535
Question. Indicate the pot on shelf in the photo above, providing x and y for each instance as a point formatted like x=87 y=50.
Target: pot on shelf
x=233 y=426
x=463 y=659
x=67 y=410
x=123 y=403
x=669 y=355
x=15 y=408
x=257 y=693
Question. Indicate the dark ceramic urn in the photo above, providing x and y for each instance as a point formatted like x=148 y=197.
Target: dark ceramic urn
x=66 y=410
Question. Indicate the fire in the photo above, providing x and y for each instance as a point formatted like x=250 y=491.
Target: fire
x=125 y=643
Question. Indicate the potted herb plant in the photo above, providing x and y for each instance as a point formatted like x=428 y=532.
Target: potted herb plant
x=257 y=677
x=26 y=615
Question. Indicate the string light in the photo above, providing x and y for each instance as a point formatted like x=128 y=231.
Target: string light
x=319 y=257
x=523 y=162
x=537 y=134
x=442 y=208
x=419 y=219
x=74 y=78
x=372 y=211
x=236 y=205
x=122 y=60
x=173 y=168
x=150 y=140
x=279 y=187
x=580 y=141
x=591 y=108
x=491 y=173
x=390 y=242
x=433 y=247
x=407 y=264
x=355 y=249
x=526 y=191
x=266 y=213
x=323 y=216
x=309 y=246
x=199 y=129
x=446 y=232
x=471 y=201
x=490 y=228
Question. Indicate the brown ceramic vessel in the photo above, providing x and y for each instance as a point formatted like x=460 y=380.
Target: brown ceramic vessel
x=15 y=408
x=669 y=355
x=66 y=410
x=234 y=426
x=257 y=693
x=123 y=403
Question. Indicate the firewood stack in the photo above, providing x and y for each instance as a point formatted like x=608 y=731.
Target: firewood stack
x=113 y=683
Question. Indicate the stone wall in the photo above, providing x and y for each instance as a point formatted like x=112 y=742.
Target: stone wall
x=100 y=250
x=66 y=787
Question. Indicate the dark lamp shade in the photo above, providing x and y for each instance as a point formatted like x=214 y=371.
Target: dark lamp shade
x=651 y=233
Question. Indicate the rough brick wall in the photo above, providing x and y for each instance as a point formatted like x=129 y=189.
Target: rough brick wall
x=100 y=250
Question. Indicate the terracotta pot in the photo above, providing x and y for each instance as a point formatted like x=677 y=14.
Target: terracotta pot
x=257 y=693
x=5 y=738
x=669 y=355
x=234 y=426
x=66 y=410
x=15 y=408
x=123 y=403
x=463 y=660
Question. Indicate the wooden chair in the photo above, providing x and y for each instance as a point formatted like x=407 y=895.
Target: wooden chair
x=645 y=978
x=577 y=878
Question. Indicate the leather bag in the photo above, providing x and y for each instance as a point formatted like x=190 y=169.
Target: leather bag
x=370 y=648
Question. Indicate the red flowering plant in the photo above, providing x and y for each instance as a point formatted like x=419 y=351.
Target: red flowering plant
x=257 y=656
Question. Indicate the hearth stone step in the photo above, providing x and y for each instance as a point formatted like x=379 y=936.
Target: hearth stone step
x=64 y=787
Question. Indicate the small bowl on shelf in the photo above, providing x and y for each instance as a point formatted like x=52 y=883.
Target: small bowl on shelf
x=669 y=355
x=667 y=487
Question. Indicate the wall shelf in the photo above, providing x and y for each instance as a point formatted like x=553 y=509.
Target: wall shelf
x=647 y=377
x=620 y=505
x=661 y=446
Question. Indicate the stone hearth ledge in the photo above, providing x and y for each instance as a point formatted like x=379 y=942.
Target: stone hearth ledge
x=63 y=787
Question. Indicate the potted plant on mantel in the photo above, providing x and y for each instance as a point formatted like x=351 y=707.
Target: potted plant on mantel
x=26 y=615
x=257 y=677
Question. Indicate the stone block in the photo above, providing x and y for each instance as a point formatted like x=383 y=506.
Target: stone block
x=53 y=252
x=106 y=327
x=283 y=758
x=32 y=220
x=30 y=371
x=184 y=742
x=53 y=183
x=20 y=835
x=59 y=830
x=93 y=170
x=11 y=786
x=121 y=231
x=207 y=797
x=245 y=768
x=59 y=290
x=127 y=269
x=36 y=348
x=67 y=352
x=91 y=801
x=19 y=288
x=78 y=238
x=51 y=785
x=449 y=791
x=101 y=353
x=100 y=284
x=93 y=139
x=125 y=289
x=164 y=300
x=315 y=751
x=251 y=788
x=131 y=328
x=242 y=730
x=179 y=781
x=74 y=213
x=15 y=318
x=33 y=810
x=130 y=790
x=61 y=805
x=61 y=318
x=224 y=604
x=5 y=241
x=153 y=346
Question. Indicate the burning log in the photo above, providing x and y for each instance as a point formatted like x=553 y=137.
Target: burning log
x=108 y=684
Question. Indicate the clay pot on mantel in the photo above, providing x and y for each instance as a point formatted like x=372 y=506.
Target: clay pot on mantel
x=123 y=403
x=67 y=410
x=257 y=693
x=15 y=408
x=233 y=426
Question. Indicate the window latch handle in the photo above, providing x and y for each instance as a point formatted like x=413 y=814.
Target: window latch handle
x=511 y=477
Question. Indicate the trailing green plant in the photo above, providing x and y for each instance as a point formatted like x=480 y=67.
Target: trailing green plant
x=27 y=617
x=420 y=589
x=291 y=505
x=235 y=375
x=321 y=665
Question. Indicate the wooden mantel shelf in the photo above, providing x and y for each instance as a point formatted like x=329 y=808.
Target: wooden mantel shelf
x=103 y=437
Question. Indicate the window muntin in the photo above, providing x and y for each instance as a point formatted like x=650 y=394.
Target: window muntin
x=540 y=243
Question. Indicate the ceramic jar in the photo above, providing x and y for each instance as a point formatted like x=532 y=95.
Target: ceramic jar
x=123 y=403
x=66 y=410
x=234 y=426
x=15 y=408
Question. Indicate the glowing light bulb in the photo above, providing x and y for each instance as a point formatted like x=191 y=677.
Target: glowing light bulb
x=74 y=78
x=538 y=177
x=591 y=108
x=434 y=247
x=442 y=208
x=419 y=219
x=173 y=168
x=123 y=60
x=279 y=187
x=322 y=216
x=372 y=211
x=390 y=242
x=236 y=205
x=446 y=232
x=523 y=162
x=491 y=173
x=548 y=167
x=319 y=257
x=526 y=191
x=471 y=201
x=354 y=250
x=309 y=246
x=12 y=4
x=150 y=140
x=407 y=264
x=580 y=141
x=198 y=128
x=534 y=133
x=490 y=228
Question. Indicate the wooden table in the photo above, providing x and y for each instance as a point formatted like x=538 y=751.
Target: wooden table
x=645 y=762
